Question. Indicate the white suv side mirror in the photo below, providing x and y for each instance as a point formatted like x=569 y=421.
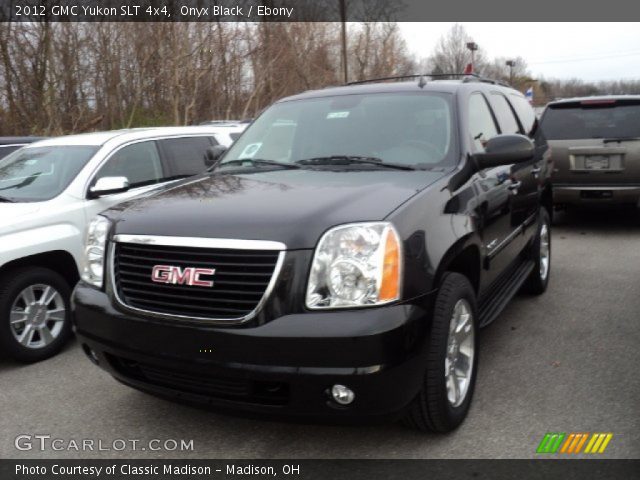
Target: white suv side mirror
x=108 y=186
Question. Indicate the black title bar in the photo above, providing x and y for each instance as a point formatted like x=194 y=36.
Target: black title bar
x=321 y=469
x=315 y=10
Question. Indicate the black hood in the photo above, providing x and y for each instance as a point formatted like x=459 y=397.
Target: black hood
x=290 y=206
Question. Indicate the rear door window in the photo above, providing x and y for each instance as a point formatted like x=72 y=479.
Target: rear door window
x=186 y=155
x=525 y=113
x=506 y=119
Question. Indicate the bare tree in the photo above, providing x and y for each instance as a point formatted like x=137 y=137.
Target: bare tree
x=451 y=54
x=378 y=50
x=518 y=74
x=72 y=77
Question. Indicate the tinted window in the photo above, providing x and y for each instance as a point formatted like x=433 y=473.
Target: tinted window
x=573 y=121
x=525 y=113
x=139 y=162
x=482 y=127
x=186 y=154
x=506 y=119
x=4 y=151
x=41 y=173
x=415 y=129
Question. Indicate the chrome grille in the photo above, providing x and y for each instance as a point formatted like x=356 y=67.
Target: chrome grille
x=242 y=279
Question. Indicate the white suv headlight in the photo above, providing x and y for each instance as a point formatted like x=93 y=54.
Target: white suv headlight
x=356 y=265
x=94 y=251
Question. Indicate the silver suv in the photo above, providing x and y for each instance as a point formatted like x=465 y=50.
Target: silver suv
x=50 y=191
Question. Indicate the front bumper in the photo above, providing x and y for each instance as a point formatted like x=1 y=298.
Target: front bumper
x=283 y=367
x=595 y=194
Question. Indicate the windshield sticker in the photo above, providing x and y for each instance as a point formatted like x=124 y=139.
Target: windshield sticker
x=337 y=115
x=250 y=150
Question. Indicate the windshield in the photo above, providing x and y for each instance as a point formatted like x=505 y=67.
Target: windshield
x=41 y=173
x=597 y=120
x=398 y=128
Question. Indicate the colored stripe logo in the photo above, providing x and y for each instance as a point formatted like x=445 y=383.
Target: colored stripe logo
x=573 y=443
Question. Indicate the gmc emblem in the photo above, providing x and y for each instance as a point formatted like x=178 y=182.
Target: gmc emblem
x=182 y=276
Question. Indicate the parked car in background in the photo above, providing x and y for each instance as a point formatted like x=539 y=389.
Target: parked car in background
x=49 y=191
x=338 y=260
x=11 y=144
x=595 y=145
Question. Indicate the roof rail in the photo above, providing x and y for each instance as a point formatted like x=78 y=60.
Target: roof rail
x=383 y=79
x=466 y=78
x=478 y=78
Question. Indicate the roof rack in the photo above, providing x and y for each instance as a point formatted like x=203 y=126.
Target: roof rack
x=477 y=78
x=466 y=78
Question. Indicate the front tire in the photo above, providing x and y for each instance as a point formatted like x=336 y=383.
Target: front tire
x=34 y=314
x=452 y=360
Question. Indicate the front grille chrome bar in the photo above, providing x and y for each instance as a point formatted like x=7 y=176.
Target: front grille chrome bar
x=197 y=242
x=200 y=242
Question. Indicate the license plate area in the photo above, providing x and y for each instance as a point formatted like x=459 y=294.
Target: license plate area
x=596 y=194
x=591 y=160
x=597 y=162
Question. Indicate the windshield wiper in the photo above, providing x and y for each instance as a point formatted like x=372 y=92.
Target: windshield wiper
x=6 y=199
x=620 y=139
x=353 y=159
x=260 y=162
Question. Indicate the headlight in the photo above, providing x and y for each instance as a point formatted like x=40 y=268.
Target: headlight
x=356 y=265
x=94 y=251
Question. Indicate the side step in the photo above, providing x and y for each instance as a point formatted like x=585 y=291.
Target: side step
x=504 y=290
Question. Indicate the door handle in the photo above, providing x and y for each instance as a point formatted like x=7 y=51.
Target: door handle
x=535 y=171
x=514 y=187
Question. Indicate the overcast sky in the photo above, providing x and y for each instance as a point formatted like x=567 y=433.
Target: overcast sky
x=590 y=51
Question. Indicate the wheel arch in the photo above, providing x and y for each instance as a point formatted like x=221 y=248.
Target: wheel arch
x=464 y=258
x=60 y=261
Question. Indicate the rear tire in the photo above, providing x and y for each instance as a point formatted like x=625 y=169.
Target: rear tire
x=436 y=407
x=35 y=318
x=540 y=253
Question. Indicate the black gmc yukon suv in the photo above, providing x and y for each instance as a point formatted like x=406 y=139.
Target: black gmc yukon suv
x=336 y=262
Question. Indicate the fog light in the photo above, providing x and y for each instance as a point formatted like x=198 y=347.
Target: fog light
x=342 y=395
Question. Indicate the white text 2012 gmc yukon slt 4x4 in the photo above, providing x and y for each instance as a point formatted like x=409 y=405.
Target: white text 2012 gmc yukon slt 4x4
x=49 y=191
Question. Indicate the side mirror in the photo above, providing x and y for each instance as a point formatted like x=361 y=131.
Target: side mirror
x=213 y=154
x=505 y=150
x=109 y=186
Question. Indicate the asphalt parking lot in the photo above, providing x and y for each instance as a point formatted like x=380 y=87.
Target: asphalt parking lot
x=564 y=362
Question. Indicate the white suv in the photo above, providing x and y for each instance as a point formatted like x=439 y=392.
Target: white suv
x=49 y=191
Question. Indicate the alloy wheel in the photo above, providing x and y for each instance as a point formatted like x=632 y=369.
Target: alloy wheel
x=545 y=251
x=460 y=353
x=37 y=316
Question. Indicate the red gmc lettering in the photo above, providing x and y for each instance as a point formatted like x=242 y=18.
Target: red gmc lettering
x=202 y=271
x=187 y=276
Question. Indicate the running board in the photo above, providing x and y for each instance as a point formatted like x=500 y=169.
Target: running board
x=503 y=291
